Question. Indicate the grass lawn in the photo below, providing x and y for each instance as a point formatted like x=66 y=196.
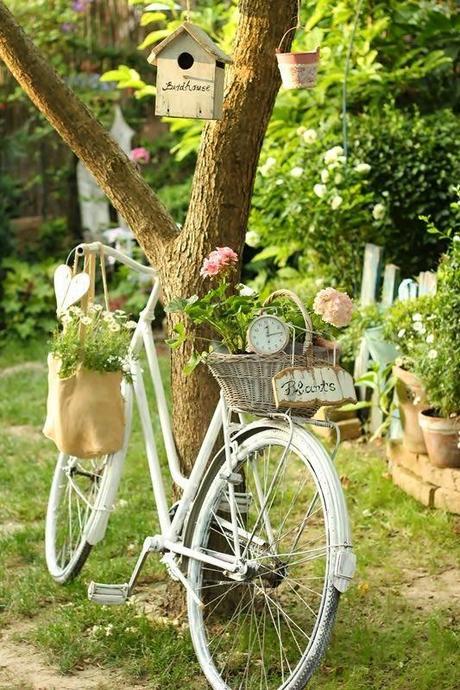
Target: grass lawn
x=397 y=629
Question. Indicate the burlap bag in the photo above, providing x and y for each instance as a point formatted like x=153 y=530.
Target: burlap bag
x=85 y=415
x=85 y=412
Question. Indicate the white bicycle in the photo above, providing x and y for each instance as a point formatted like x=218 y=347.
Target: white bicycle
x=260 y=538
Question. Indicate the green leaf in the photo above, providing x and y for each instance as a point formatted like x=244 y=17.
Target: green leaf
x=177 y=304
x=150 y=17
x=352 y=407
x=196 y=359
x=175 y=343
x=154 y=37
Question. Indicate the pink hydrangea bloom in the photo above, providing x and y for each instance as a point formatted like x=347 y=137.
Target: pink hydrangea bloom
x=219 y=261
x=140 y=155
x=334 y=307
x=210 y=268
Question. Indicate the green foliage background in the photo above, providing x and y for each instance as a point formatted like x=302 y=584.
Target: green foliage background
x=401 y=59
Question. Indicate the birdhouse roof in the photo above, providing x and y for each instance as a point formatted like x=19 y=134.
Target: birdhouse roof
x=198 y=35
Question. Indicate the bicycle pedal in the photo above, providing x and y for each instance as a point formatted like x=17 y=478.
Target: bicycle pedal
x=108 y=595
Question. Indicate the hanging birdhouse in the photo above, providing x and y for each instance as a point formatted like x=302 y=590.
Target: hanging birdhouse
x=190 y=74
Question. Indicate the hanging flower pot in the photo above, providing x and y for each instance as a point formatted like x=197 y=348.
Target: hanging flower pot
x=298 y=70
x=441 y=438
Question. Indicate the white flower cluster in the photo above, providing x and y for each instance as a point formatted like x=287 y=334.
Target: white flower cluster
x=116 y=321
x=308 y=135
x=378 y=212
x=267 y=166
x=333 y=158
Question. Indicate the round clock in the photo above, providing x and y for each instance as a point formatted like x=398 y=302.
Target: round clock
x=267 y=335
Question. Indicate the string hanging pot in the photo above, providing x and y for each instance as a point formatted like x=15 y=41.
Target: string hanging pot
x=298 y=70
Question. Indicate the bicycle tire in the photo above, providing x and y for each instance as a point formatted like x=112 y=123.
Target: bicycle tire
x=65 y=560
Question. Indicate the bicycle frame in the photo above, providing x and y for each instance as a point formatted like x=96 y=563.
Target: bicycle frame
x=143 y=339
x=169 y=540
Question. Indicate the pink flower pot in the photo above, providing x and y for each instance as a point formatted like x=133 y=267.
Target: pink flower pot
x=298 y=70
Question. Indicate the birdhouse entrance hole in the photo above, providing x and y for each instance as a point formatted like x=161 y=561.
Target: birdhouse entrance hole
x=185 y=61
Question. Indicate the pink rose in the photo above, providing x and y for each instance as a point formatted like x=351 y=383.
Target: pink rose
x=210 y=268
x=219 y=261
x=140 y=155
x=334 y=307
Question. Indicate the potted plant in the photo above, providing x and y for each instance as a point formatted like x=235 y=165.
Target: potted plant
x=407 y=325
x=438 y=366
x=227 y=314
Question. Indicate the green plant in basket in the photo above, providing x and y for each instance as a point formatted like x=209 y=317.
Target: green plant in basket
x=96 y=339
x=225 y=312
x=228 y=314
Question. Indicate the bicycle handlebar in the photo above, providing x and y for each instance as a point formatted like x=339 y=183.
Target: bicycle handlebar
x=96 y=247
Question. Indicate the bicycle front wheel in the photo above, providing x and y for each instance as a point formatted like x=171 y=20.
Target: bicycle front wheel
x=268 y=630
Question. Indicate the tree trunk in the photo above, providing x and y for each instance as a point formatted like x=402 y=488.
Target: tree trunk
x=223 y=181
x=222 y=191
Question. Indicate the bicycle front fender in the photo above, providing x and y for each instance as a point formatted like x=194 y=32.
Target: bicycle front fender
x=340 y=537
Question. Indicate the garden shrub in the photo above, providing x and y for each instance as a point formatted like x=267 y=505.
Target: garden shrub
x=415 y=162
x=437 y=361
x=406 y=323
x=27 y=306
x=313 y=212
x=315 y=217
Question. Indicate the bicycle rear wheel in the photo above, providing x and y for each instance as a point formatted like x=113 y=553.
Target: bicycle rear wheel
x=269 y=630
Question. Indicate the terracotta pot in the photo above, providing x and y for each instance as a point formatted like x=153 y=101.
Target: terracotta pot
x=411 y=399
x=298 y=70
x=442 y=437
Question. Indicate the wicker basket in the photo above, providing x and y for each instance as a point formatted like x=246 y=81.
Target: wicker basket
x=246 y=380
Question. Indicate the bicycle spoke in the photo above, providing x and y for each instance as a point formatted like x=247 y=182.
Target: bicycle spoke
x=77 y=490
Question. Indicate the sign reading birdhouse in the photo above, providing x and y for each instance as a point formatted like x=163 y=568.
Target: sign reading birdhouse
x=190 y=74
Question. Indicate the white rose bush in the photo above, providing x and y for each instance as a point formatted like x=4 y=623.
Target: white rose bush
x=314 y=205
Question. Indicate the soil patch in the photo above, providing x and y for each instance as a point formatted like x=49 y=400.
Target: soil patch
x=31 y=433
x=441 y=590
x=19 y=368
x=23 y=667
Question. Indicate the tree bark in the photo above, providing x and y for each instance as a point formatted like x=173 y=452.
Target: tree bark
x=223 y=181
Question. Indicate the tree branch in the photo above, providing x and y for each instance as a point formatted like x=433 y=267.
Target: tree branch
x=115 y=173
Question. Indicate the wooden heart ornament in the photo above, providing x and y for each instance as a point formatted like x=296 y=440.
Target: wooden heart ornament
x=68 y=289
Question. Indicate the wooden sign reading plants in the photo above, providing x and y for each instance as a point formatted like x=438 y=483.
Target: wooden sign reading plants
x=299 y=387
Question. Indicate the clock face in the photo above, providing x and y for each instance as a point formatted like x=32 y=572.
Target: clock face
x=268 y=335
